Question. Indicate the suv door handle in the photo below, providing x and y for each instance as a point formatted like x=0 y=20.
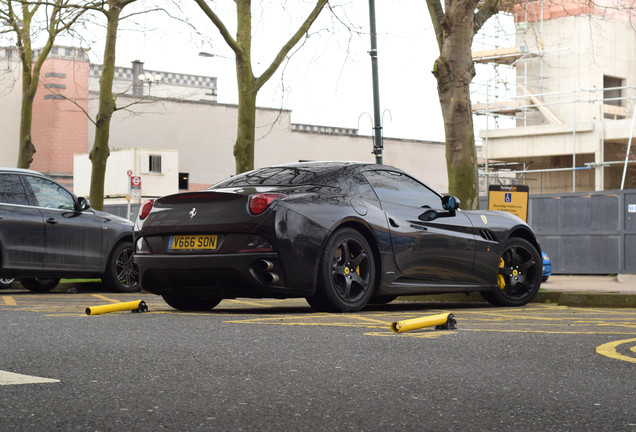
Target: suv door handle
x=51 y=221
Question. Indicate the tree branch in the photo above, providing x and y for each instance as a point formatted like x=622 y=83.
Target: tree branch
x=436 y=12
x=220 y=26
x=302 y=30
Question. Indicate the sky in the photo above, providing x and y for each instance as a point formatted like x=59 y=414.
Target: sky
x=327 y=82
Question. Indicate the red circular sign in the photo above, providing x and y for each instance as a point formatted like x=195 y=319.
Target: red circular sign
x=135 y=181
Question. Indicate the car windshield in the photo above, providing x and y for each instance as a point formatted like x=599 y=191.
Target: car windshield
x=276 y=176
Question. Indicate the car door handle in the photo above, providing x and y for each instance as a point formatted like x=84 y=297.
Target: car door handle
x=51 y=221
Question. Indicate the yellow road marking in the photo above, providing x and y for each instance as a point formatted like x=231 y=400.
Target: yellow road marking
x=99 y=296
x=609 y=350
x=245 y=302
x=9 y=301
x=429 y=334
x=371 y=320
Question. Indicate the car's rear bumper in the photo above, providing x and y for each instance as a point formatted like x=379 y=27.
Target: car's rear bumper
x=258 y=274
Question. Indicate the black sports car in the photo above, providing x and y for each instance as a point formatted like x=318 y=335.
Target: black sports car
x=340 y=234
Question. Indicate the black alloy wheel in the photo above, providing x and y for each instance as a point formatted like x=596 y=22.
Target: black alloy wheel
x=5 y=283
x=520 y=274
x=122 y=274
x=346 y=277
x=40 y=285
x=190 y=303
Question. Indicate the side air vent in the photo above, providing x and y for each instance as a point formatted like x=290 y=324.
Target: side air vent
x=488 y=235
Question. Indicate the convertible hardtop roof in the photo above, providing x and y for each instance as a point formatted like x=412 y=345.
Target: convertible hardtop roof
x=300 y=173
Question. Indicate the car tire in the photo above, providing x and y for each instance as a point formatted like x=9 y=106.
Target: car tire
x=520 y=274
x=346 y=276
x=191 y=303
x=5 y=283
x=122 y=274
x=40 y=285
x=383 y=299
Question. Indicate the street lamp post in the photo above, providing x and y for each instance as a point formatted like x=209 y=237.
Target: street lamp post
x=377 y=121
x=149 y=79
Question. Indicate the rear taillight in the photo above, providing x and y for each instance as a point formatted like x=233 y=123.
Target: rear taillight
x=145 y=208
x=259 y=203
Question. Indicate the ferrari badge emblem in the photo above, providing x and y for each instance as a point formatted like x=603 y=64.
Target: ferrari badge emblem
x=485 y=219
x=193 y=212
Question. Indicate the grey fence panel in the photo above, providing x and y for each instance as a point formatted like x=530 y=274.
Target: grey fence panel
x=122 y=210
x=586 y=233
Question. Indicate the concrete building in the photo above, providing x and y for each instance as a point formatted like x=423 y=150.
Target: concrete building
x=168 y=112
x=564 y=122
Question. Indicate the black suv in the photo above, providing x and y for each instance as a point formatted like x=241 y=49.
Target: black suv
x=47 y=233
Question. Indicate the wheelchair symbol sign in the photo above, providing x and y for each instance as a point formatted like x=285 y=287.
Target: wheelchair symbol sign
x=508 y=197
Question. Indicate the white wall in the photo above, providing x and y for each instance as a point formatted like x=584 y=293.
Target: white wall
x=136 y=160
x=10 y=103
x=204 y=136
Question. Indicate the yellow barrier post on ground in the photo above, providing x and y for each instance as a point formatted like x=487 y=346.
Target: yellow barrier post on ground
x=445 y=321
x=135 y=306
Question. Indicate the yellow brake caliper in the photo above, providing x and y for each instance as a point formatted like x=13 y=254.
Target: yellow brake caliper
x=500 y=280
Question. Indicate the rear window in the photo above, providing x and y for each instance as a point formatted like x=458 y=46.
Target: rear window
x=275 y=176
x=11 y=190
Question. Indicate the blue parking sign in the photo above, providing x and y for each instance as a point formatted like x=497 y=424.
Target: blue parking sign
x=508 y=197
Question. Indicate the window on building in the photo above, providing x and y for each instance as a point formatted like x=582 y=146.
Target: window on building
x=613 y=97
x=154 y=164
x=612 y=91
x=183 y=181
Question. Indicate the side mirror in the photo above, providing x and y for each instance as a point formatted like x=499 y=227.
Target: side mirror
x=450 y=203
x=83 y=204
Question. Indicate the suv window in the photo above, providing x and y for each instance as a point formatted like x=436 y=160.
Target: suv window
x=12 y=191
x=51 y=195
x=399 y=188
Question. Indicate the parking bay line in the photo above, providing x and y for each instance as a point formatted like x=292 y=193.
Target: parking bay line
x=9 y=301
x=10 y=378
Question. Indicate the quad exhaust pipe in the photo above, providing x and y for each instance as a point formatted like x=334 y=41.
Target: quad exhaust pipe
x=264 y=265
x=263 y=271
x=270 y=278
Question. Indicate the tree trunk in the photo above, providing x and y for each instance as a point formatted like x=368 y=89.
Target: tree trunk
x=246 y=126
x=454 y=71
x=27 y=149
x=100 y=151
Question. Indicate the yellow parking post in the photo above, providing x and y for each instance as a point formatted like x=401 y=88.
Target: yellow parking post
x=135 y=306
x=443 y=321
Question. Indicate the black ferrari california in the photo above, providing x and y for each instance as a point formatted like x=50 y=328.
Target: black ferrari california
x=340 y=234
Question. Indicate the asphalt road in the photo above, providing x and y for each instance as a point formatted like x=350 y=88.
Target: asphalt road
x=275 y=365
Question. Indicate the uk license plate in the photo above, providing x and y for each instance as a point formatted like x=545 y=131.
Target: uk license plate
x=192 y=242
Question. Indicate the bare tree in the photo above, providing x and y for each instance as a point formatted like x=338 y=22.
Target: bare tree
x=456 y=23
x=100 y=152
x=25 y=20
x=248 y=84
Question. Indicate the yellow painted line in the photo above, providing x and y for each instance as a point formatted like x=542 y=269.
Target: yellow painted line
x=417 y=335
x=247 y=302
x=609 y=350
x=9 y=301
x=99 y=296
x=549 y=332
x=305 y=324
x=370 y=320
